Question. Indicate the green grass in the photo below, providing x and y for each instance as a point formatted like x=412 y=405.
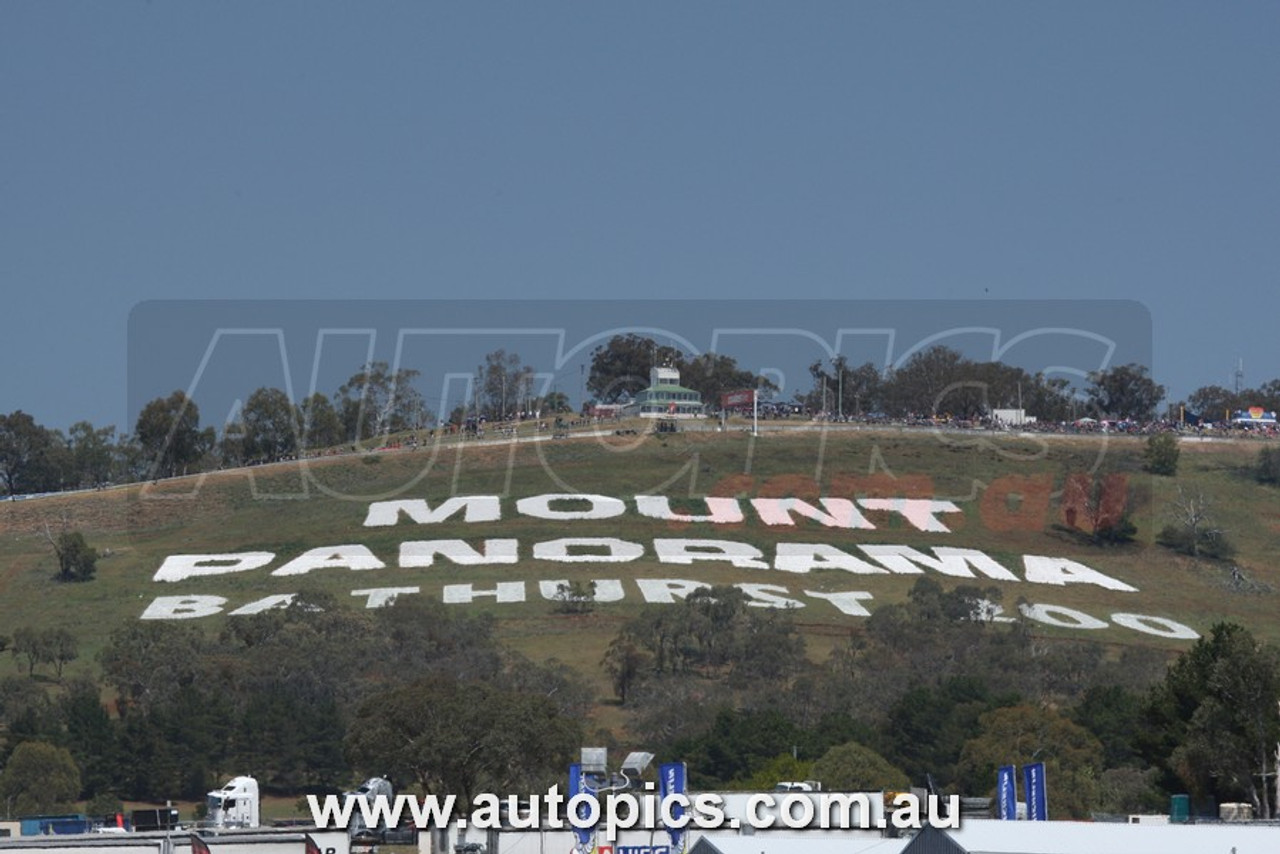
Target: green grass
x=227 y=513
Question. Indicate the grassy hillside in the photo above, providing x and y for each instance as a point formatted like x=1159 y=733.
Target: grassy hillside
x=288 y=509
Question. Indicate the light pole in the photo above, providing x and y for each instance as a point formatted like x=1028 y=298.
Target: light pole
x=591 y=777
x=840 y=392
x=595 y=767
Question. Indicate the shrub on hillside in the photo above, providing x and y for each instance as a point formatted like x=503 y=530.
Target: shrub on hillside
x=1161 y=454
x=1196 y=543
x=1116 y=533
x=77 y=560
x=1267 y=469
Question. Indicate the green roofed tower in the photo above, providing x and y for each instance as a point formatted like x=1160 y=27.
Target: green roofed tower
x=666 y=398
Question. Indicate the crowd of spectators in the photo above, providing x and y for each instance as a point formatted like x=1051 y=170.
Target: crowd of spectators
x=1190 y=428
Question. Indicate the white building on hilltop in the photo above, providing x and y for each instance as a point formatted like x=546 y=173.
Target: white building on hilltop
x=666 y=398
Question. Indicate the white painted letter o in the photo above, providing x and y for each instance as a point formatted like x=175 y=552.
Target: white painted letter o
x=1158 y=626
x=1065 y=618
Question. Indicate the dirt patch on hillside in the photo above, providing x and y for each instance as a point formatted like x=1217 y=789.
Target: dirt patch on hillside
x=113 y=511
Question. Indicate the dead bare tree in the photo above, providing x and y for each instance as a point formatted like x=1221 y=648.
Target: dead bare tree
x=1194 y=530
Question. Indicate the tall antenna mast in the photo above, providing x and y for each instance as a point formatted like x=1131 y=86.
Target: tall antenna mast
x=1239 y=375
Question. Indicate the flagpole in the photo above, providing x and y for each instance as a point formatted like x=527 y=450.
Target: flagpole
x=755 y=412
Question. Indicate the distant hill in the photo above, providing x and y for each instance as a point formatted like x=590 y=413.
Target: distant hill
x=1006 y=504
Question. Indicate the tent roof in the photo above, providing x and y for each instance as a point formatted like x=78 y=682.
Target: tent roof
x=777 y=842
x=989 y=836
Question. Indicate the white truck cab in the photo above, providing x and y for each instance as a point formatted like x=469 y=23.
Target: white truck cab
x=371 y=790
x=235 y=805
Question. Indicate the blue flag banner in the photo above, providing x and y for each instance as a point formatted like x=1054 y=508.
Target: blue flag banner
x=671 y=781
x=578 y=786
x=1037 y=801
x=1007 y=792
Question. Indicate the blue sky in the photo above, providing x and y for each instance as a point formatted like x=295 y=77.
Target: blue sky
x=853 y=150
